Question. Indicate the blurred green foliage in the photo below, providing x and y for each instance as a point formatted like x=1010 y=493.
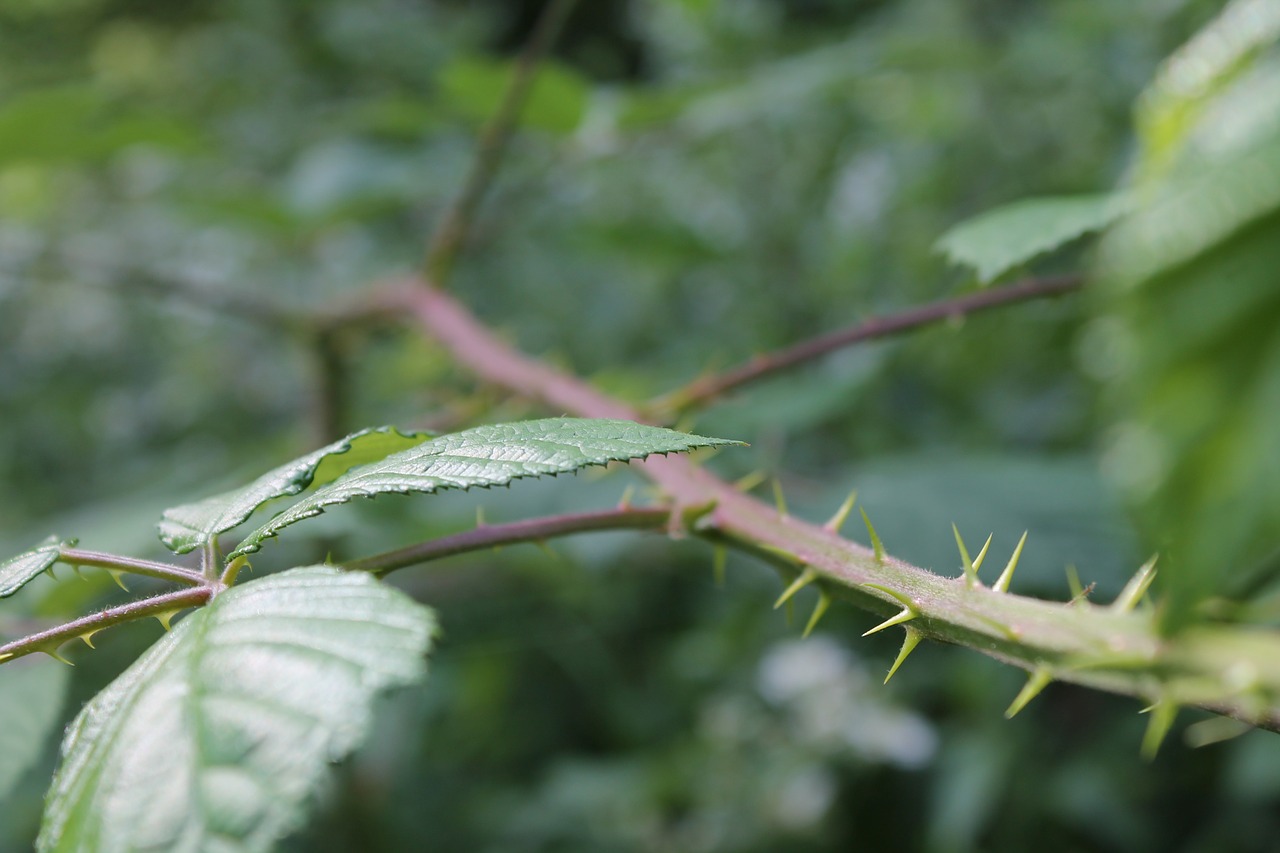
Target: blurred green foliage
x=700 y=180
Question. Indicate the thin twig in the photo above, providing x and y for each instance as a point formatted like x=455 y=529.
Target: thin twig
x=532 y=530
x=49 y=641
x=132 y=565
x=708 y=388
x=447 y=239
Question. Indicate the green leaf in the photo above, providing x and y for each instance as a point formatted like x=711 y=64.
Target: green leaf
x=998 y=240
x=219 y=736
x=492 y=455
x=31 y=702
x=474 y=88
x=1191 y=297
x=17 y=572
x=187 y=527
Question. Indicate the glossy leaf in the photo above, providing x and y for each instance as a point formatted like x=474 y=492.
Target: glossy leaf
x=217 y=738
x=30 y=709
x=491 y=455
x=17 y=572
x=187 y=527
x=998 y=240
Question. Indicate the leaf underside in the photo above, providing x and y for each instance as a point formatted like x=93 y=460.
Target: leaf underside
x=17 y=572
x=492 y=455
x=219 y=736
x=187 y=527
x=998 y=240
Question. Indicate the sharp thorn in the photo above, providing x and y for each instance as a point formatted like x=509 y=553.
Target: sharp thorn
x=970 y=575
x=117 y=576
x=480 y=522
x=819 y=610
x=52 y=574
x=876 y=544
x=778 y=499
x=623 y=503
x=4 y=657
x=53 y=652
x=909 y=643
x=1073 y=582
x=1136 y=588
x=837 y=521
x=750 y=481
x=892 y=593
x=719 y=558
x=546 y=549
x=806 y=577
x=75 y=568
x=906 y=615
x=1163 y=713
x=165 y=618
x=790 y=612
x=1037 y=681
x=982 y=555
x=87 y=636
x=1006 y=577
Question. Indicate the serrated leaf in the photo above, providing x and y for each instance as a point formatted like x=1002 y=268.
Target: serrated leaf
x=218 y=737
x=998 y=240
x=17 y=572
x=187 y=527
x=31 y=697
x=491 y=455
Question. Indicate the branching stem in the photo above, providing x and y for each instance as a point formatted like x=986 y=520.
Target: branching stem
x=532 y=530
x=132 y=565
x=708 y=388
x=447 y=239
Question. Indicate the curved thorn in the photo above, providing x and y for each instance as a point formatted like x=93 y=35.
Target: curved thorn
x=52 y=651
x=1163 y=713
x=909 y=643
x=1006 y=577
x=117 y=576
x=778 y=499
x=750 y=481
x=1038 y=680
x=907 y=614
x=1135 y=588
x=1073 y=582
x=87 y=636
x=719 y=558
x=876 y=544
x=52 y=574
x=802 y=580
x=982 y=555
x=899 y=597
x=819 y=610
x=837 y=521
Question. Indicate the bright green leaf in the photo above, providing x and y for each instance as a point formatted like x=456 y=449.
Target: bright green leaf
x=17 y=572
x=30 y=708
x=187 y=527
x=219 y=736
x=474 y=88
x=998 y=240
x=491 y=455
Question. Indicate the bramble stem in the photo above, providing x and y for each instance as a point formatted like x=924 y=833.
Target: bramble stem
x=132 y=565
x=49 y=641
x=532 y=530
x=447 y=239
x=708 y=388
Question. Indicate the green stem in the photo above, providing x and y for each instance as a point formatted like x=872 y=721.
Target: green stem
x=49 y=641
x=132 y=565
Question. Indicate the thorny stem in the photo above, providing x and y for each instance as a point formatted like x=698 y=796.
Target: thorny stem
x=708 y=388
x=447 y=239
x=487 y=536
x=1223 y=669
x=49 y=641
x=132 y=565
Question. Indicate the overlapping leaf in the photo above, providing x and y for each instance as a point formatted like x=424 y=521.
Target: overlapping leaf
x=17 y=572
x=1193 y=299
x=490 y=455
x=998 y=240
x=185 y=528
x=217 y=738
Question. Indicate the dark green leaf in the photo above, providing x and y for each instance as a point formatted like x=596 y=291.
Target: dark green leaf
x=217 y=738
x=491 y=455
x=187 y=527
